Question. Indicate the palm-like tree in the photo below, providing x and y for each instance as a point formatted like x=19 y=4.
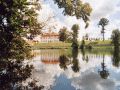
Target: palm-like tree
x=103 y=22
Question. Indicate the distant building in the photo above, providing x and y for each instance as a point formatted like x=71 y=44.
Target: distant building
x=45 y=37
x=50 y=37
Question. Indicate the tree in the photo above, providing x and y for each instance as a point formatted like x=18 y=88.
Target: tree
x=103 y=22
x=17 y=17
x=75 y=29
x=69 y=37
x=63 y=34
x=75 y=8
x=115 y=37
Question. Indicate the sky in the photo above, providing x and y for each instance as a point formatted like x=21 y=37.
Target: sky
x=101 y=8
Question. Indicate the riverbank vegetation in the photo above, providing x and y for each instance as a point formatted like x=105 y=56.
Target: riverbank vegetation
x=64 y=45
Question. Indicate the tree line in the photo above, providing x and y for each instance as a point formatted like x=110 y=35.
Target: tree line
x=72 y=36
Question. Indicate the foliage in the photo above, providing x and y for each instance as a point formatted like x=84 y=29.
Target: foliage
x=14 y=74
x=75 y=44
x=75 y=8
x=69 y=37
x=103 y=22
x=115 y=37
x=17 y=18
x=75 y=29
x=63 y=34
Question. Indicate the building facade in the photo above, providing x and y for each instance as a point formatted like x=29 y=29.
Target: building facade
x=49 y=37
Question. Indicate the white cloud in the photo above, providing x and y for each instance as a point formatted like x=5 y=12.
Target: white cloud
x=92 y=81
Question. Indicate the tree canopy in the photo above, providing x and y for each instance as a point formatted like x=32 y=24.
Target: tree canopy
x=103 y=22
x=17 y=17
x=75 y=29
x=75 y=8
x=116 y=37
x=63 y=34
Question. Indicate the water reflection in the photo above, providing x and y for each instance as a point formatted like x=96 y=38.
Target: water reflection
x=84 y=56
x=75 y=63
x=116 y=57
x=103 y=72
x=13 y=71
x=64 y=61
x=62 y=69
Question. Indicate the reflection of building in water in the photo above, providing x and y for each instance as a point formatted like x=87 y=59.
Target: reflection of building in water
x=50 y=56
x=50 y=61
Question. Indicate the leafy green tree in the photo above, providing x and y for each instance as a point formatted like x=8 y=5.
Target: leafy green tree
x=17 y=18
x=75 y=29
x=63 y=34
x=115 y=37
x=69 y=37
x=103 y=22
x=75 y=8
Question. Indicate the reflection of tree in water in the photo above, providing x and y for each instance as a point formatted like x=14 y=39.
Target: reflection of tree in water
x=64 y=60
x=75 y=66
x=116 y=57
x=13 y=72
x=103 y=73
x=84 y=56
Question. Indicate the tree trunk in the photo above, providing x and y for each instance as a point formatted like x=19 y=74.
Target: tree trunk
x=103 y=36
x=103 y=32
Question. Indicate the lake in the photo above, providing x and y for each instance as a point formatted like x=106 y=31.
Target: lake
x=69 y=70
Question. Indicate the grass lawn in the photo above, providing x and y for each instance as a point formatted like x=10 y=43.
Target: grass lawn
x=98 y=43
x=52 y=45
x=61 y=45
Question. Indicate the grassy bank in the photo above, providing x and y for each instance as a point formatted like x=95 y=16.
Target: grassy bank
x=51 y=45
x=60 y=45
x=98 y=43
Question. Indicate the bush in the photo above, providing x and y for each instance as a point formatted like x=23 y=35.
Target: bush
x=89 y=47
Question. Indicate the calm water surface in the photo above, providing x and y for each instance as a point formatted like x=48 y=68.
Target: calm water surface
x=63 y=70
x=76 y=70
